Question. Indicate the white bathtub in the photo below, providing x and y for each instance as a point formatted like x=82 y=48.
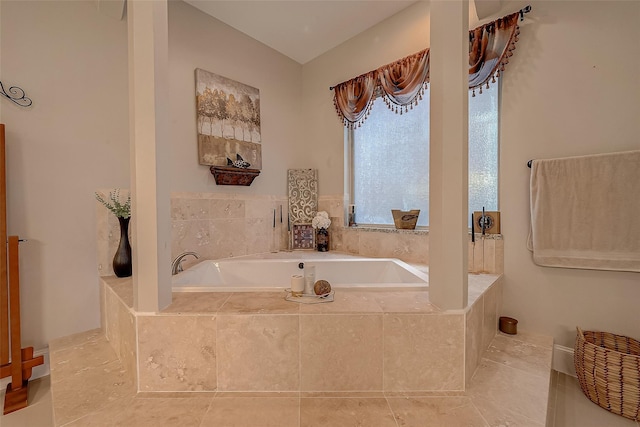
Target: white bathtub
x=272 y=272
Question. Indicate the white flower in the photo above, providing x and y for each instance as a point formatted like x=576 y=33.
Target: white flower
x=321 y=220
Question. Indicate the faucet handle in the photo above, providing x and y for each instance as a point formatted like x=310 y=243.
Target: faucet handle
x=176 y=265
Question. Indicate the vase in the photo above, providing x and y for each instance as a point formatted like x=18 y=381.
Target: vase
x=122 y=258
x=322 y=240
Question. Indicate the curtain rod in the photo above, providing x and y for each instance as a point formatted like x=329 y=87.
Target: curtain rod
x=522 y=11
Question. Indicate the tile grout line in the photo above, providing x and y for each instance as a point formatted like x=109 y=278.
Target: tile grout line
x=217 y=355
x=393 y=414
x=137 y=358
x=204 y=415
x=528 y=373
x=216 y=315
x=556 y=392
x=384 y=385
x=299 y=369
x=479 y=412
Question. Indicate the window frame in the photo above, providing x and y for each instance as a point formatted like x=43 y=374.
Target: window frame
x=350 y=167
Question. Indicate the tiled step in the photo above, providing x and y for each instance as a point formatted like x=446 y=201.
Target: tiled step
x=91 y=388
x=512 y=384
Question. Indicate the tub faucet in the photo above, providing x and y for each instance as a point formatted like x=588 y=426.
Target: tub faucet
x=176 y=265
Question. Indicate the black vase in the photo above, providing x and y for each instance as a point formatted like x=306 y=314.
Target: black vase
x=322 y=240
x=122 y=258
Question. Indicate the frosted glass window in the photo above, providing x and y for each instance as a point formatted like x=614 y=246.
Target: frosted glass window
x=391 y=164
x=483 y=150
x=391 y=160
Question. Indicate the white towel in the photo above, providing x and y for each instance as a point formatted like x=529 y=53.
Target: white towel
x=585 y=212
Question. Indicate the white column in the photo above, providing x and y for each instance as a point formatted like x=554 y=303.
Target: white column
x=448 y=164
x=148 y=123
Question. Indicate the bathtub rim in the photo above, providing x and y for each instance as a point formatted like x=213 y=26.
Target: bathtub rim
x=312 y=256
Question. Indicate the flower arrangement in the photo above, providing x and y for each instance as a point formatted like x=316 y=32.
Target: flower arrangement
x=121 y=210
x=321 y=220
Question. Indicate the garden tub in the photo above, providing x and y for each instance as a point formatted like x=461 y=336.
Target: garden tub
x=272 y=272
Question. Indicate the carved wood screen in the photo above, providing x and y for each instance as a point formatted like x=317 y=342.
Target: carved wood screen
x=303 y=204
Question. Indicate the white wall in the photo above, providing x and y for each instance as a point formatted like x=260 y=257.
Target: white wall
x=197 y=40
x=405 y=33
x=72 y=62
x=571 y=88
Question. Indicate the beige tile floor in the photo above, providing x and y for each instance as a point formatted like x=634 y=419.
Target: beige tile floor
x=573 y=409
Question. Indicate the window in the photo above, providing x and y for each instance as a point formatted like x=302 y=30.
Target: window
x=390 y=160
x=483 y=150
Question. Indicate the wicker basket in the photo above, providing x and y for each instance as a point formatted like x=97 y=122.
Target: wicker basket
x=608 y=368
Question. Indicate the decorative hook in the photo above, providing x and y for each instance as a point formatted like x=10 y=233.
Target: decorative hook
x=15 y=95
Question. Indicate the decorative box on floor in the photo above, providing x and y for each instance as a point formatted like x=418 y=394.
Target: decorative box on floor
x=608 y=369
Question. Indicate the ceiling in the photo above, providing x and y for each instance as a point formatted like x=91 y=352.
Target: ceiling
x=301 y=29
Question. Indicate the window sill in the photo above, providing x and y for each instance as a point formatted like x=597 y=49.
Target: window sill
x=421 y=231
x=390 y=229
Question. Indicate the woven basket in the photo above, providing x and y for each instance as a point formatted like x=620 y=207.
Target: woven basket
x=608 y=368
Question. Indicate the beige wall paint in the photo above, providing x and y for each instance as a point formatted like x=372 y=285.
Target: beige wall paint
x=405 y=33
x=571 y=89
x=72 y=62
x=197 y=40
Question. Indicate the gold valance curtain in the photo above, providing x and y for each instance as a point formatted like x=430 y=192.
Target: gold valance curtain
x=401 y=84
x=490 y=47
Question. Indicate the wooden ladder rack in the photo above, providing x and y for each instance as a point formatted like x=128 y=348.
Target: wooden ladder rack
x=21 y=361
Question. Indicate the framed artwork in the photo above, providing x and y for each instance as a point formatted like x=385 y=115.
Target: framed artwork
x=228 y=122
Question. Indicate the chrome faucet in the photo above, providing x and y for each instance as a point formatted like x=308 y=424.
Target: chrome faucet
x=176 y=265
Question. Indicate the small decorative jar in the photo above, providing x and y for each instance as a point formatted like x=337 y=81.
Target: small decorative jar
x=322 y=240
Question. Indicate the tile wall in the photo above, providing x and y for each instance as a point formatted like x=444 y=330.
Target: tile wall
x=228 y=225
x=364 y=341
x=481 y=323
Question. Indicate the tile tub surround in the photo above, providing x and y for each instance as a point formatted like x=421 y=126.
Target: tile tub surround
x=364 y=341
x=215 y=225
x=485 y=256
x=508 y=390
x=227 y=225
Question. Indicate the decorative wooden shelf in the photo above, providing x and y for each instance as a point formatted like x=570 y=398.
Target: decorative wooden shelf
x=225 y=175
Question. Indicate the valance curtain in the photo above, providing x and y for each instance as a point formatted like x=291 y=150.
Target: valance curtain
x=402 y=83
x=490 y=47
